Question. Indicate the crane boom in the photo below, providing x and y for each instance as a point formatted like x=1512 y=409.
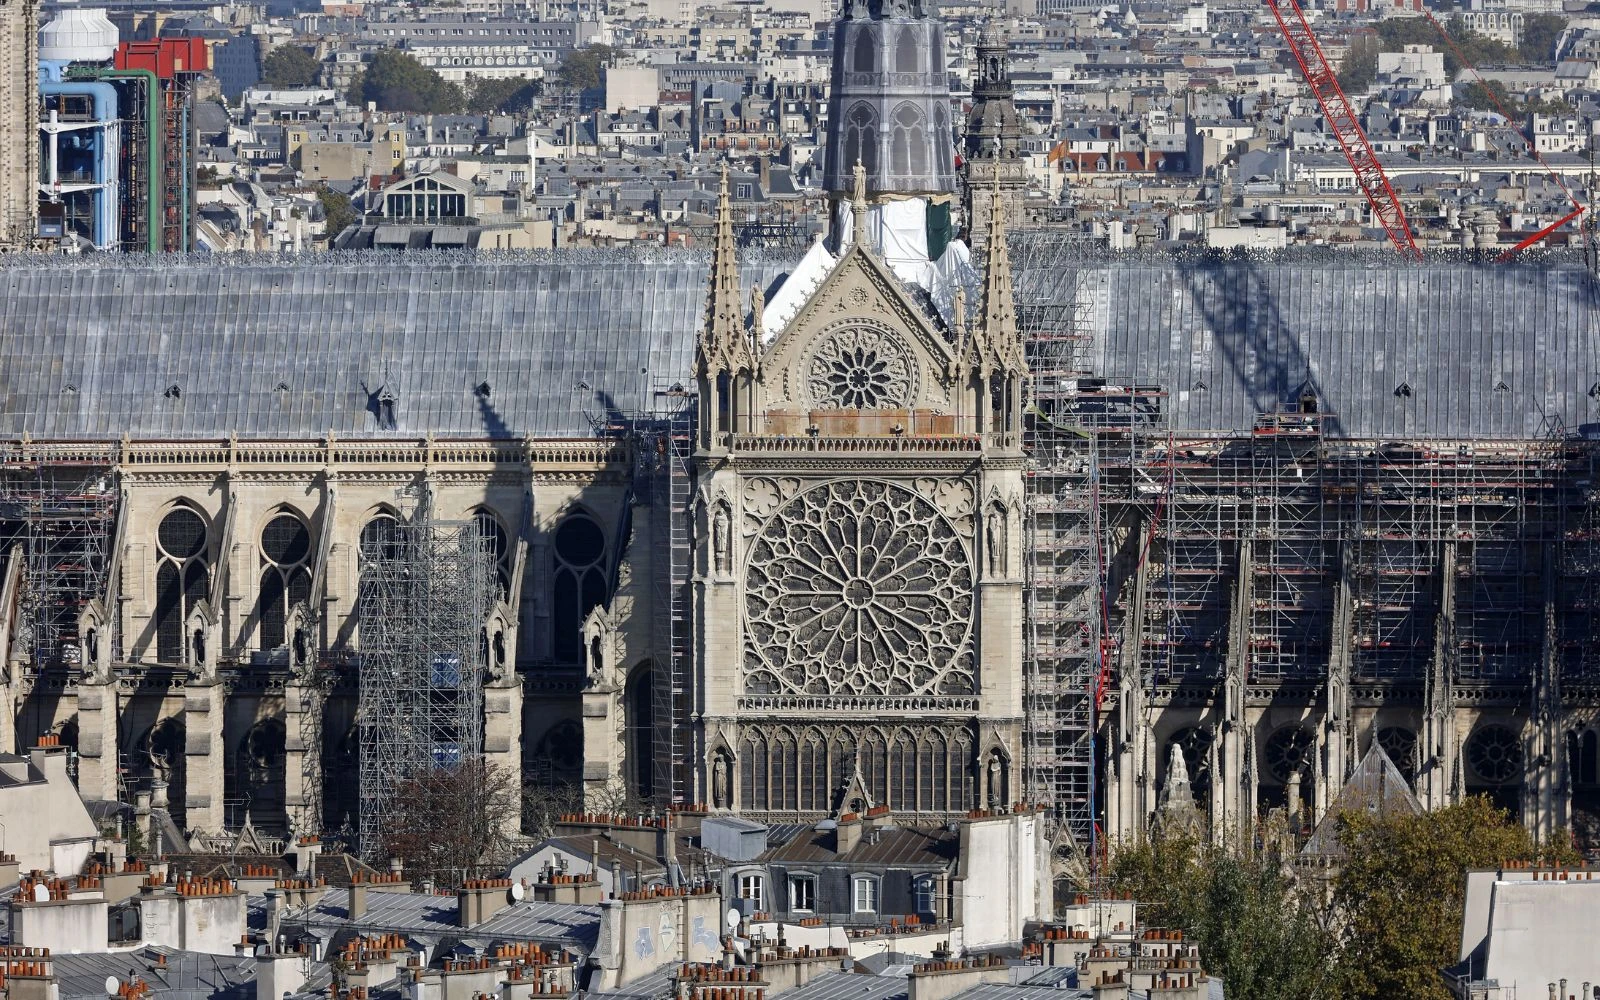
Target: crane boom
x=1346 y=128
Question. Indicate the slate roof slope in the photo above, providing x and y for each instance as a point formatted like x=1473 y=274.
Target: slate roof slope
x=1492 y=351
x=273 y=349
x=564 y=924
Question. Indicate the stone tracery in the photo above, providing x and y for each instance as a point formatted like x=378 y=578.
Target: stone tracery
x=861 y=367
x=859 y=587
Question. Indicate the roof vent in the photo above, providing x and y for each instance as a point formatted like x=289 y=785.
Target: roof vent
x=482 y=390
x=1201 y=386
x=1403 y=390
x=281 y=387
x=70 y=388
x=1594 y=391
x=172 y=391
x=1501 y=386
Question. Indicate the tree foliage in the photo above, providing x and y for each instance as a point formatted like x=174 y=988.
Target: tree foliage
x=1360 y=63
x=449 y=823
x=1359 y=68
x=490 y=97
x=1540 y=34
x=336 y=210
x=290 y=66
x=1491 y=95
x=1256 y=928
x=1396 y=903
x=582 y=68
x=395 y=81
x=1401 y=892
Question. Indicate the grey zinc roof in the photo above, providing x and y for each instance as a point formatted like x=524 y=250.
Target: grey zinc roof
x=267 y=348
x=293 y=349
x=1487 y=350
x=565 y=924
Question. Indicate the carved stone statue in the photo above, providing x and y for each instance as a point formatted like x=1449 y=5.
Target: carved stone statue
x=721 y=781
x=994 y=542
x=722 y=539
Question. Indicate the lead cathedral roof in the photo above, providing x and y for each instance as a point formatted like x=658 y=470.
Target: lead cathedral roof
x=541 y=345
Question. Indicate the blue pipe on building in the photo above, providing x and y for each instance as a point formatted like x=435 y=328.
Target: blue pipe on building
x=104 y=134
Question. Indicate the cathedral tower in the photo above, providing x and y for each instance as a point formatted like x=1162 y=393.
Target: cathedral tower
x=890 y=106
x=19 y=123
x=993 y=153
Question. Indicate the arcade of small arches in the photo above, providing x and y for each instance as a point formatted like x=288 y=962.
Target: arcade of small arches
x=818 y=770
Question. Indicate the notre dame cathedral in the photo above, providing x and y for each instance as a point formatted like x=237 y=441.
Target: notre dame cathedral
x=922 y=518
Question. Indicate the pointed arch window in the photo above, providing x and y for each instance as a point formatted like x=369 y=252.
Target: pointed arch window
x=910 y=152
x=285 y=578
x=813 y=773
x=875 y=767
x=579 y=583
x=785 y=771
x=903 y=772
x=865 y=57
x=183 y=576
x=494 y=537
x=906 y=58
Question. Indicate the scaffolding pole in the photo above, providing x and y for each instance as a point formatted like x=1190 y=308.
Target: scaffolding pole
x=63 y=514
x=425 y=589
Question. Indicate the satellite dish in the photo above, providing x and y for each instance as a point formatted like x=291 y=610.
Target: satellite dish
x=41 y=893
x=518 y=891
x=112 y=986
x=733 y=919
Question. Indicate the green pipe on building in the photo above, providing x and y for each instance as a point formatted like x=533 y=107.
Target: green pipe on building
x=152 y=107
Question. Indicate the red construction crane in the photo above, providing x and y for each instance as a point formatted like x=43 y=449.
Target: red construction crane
x=1341 y=118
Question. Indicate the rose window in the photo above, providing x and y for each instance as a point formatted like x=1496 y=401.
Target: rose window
x=1495 y=753
x=861 y=368
x=859 y=588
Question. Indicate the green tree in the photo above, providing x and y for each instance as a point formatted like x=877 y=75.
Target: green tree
x=290 y=66
x=1256 y=928
x=337 y=210
x=488 y=97
x=395 y=81
x=1479 y=50
x=1359 y=68
x=581 y=70
x=1401 y=892
x=1491 y=95
x=1540 y=33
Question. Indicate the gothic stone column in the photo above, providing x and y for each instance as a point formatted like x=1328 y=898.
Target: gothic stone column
x=204 y=753
x=97 y=739
x=502 y=734
x=303 y=702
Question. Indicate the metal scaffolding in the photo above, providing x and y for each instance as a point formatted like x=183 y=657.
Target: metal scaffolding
x=425 y=589
x=63 y=513
x=671 y=493
x=1063 y=651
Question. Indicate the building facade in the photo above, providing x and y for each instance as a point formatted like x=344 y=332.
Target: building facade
x=795 y=537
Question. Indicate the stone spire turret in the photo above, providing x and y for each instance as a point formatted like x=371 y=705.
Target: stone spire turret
x=999 y=317
x=993 y=141
x=724 y=362
x=725 y=343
